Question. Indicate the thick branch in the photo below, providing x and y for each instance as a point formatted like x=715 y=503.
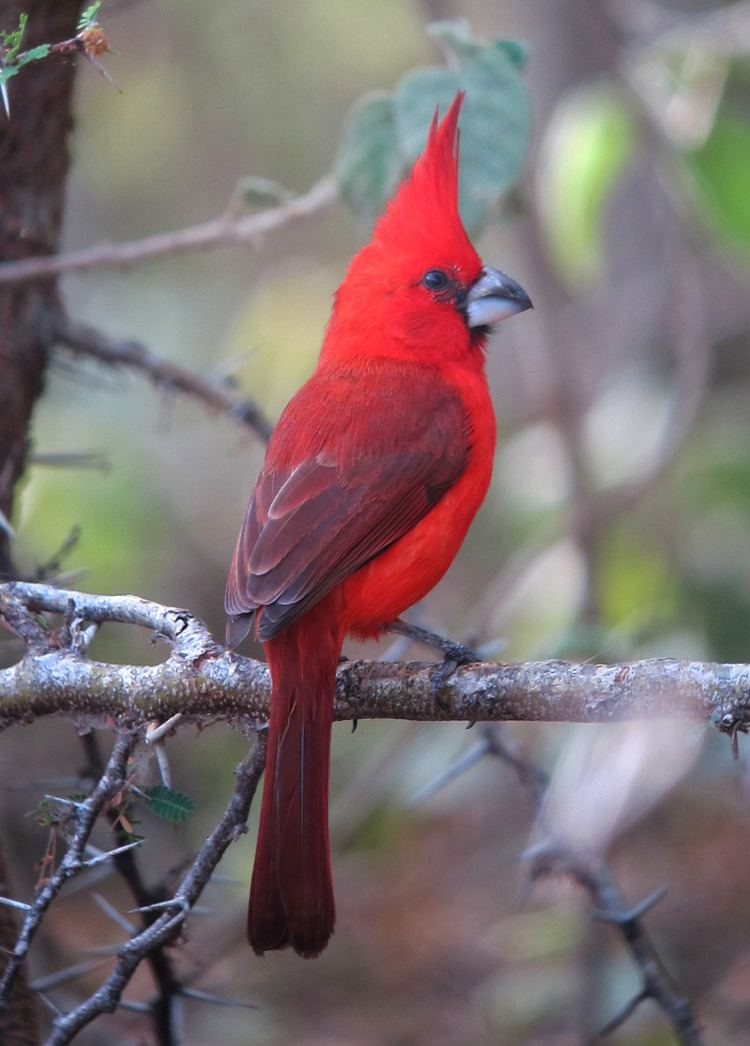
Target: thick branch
x=204 y=681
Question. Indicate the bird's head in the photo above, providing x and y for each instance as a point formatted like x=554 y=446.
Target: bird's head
x=419 y=289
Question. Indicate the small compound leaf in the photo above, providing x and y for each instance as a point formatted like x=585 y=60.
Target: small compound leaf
x=169 y=805
x=34 y=54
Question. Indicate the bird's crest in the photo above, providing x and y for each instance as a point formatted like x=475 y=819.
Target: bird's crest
x=426 y=202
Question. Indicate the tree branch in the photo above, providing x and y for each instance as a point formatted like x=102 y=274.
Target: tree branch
x=226 y=230
x=86 y=814
x=120 y=352
x=202 y=680
x=166 y=927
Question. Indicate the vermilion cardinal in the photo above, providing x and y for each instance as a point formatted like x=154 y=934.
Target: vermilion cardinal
x=373 y=474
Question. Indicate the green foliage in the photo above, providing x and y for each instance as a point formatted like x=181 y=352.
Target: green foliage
x=721 y=175
x=385 y=132
x=88 y=17
x=13 y=58
x=12 y=39
x=169 y=805
x=637 y=587
x=588 y=144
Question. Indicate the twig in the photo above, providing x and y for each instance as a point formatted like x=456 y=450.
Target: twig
x=72 y=863
x=160 y=963
x=115 y=352
x=596 y=879
x=166 y=927
x=226 y=230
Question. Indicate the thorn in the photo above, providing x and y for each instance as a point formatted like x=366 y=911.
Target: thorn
x=50 y=1005
x=53 y=980
x=100 y=68
x=355 y=724
x=155 y=731
x=163 y=764
x=473 y=756
x=629 y=1008
x=112 y=912
x=6 y=99
x=632 y=914
x=159 y=906
x=226 y=880
x=134 y=1007
x=215 y=1000
x=19 y=905
x=4 y=521
x=100 y=858
x=65 y=802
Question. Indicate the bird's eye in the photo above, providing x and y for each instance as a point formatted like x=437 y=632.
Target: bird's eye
x=435 y=280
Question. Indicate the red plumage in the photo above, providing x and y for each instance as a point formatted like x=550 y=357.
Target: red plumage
x=372 y=476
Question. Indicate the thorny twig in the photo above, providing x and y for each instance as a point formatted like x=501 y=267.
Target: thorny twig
x=593 y=875
x=167 y=926
x=126 y=865
x=115 y=352
x=85 y=817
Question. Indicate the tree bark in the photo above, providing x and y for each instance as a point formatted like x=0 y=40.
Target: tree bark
x=34 y=163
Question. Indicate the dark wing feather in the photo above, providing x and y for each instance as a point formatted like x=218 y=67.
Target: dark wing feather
x=309 y=527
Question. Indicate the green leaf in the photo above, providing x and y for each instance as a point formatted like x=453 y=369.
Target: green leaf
x=88 y=17
x=494 y=126
x=369 y=163
x=169 y=805
x=385 y=133
x=721 y=175
x=588 y=143
x=34 y=54
x=12 y=39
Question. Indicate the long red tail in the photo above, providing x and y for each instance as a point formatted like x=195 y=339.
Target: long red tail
x=291 y=893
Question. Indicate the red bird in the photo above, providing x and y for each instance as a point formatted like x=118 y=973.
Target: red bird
x=372 y=476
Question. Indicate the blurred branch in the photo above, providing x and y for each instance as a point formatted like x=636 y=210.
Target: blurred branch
x=223 y=231
x=126 y=865
x=85 y=816
x=115 y=352
x=590 y=872
x=172 y=913
x=594 y=876
x=203 y=681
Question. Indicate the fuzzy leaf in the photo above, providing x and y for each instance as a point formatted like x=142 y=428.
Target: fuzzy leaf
x=385 y=133
x=369 y=164
x=88 y=17
x=169 y=805
x=494 y=125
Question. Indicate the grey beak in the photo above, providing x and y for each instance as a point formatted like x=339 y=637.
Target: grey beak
x=494 y=297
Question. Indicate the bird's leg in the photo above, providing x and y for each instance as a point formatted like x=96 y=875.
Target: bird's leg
x=454 y=654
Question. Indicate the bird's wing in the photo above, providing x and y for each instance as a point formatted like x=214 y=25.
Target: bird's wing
x=309 y=526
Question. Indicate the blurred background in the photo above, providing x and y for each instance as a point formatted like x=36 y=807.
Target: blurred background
x=617 y=526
